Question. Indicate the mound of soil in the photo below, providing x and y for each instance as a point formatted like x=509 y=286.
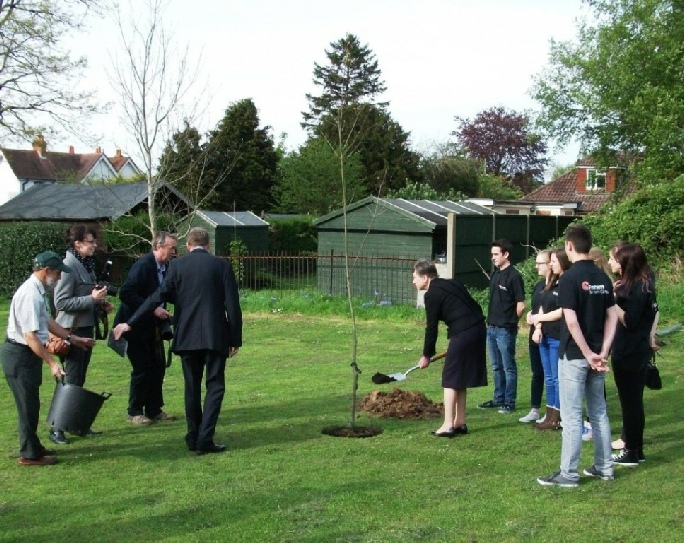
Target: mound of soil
x=400 y=404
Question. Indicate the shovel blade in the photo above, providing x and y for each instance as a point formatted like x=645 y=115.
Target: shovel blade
x=397 y=376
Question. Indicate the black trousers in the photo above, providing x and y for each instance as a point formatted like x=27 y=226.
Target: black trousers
x=145 y=395
x=77 y=361
x=201 y=420
x=630 y=387
x=537 y=379
x=24 y=373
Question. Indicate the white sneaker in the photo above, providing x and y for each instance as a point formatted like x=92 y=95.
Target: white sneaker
x=542 y=419
x=532 y=416
x=587 y=434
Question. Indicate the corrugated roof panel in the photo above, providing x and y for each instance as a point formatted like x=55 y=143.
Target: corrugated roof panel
x=238 y=218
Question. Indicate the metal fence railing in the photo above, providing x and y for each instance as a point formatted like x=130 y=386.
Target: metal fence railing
x=381 y=279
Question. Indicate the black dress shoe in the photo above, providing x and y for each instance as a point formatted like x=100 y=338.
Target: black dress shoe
x=58 y=437
x=449 y=433
x=462 y=429
x=48 y=452
x=213 y=448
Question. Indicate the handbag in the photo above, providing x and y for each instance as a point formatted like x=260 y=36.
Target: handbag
x=57 y=346
x=652 y=376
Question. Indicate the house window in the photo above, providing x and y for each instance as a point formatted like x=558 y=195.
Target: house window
x=596 y=180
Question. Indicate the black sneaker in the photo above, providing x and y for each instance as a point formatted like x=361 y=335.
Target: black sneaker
x=58 y=437
x=593 y=472
x=626 y=457
x=506 y=409
x=491 y=404
x=640 y=455
x=557 y=480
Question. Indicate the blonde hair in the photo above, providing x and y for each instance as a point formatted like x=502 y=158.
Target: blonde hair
x=600 y=260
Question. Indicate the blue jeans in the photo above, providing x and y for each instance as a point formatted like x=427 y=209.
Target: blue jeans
x=548 y=349
x=501 y=345
x=577 y=379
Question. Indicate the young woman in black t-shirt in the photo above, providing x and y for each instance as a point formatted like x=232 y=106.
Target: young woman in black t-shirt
x=636 y=309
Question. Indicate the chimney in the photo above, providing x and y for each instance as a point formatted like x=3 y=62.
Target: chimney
x=118 y=153
x=39 y=144
x=71 y=149
x=98 y=150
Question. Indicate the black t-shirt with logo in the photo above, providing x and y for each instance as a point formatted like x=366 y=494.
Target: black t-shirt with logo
x=588 y=291
x=549 y=303
x=506 y=289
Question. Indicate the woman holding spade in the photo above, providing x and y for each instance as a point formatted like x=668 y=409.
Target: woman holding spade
x=465 y=366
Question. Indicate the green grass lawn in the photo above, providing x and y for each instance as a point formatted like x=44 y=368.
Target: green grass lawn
x=283 y=481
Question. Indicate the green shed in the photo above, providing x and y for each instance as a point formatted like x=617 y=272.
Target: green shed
x=385 y=236
x=224 y=227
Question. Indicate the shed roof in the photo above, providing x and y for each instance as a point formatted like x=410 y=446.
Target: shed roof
x=226 y=218
x=431 y=212
x=75 y=202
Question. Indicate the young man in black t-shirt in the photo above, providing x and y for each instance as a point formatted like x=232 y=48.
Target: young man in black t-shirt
x=506 y=305
x=587 y=330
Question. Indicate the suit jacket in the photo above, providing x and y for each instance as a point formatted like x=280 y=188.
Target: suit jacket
x=207 y=314
x=73 y=295
x=141 y=282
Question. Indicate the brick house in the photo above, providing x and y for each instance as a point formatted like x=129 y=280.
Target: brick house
x=582 y=190
x=21 y=169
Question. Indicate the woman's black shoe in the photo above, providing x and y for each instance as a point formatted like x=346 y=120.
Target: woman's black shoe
x=449 y=433
x=462 y=429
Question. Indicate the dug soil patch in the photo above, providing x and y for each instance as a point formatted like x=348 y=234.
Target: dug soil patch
x=400 y=404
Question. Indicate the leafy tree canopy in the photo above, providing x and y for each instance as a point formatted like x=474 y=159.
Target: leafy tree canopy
x=619 y=87
x=382 y=144
x=352 y=76
x=234 y=166
x=506 y=143
x=244 y=156
x=447 y=169
x=311 y=179
x=37 y=76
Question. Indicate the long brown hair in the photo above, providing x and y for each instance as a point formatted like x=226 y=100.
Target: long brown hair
x=635 y=268
x=564 y=262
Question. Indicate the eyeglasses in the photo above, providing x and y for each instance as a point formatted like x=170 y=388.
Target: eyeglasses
x=541 y=263
x=93 y=241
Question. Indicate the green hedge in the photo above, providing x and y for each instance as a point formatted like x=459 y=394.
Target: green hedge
x=653 y=217
x=19 y=244
x=292 y=236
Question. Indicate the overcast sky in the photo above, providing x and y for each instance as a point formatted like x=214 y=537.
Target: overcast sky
x=439 y=58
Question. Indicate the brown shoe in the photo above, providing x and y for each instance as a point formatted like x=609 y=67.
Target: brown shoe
x=552 y=421
x=163 y=417
x=139 y=420
x=44 y=461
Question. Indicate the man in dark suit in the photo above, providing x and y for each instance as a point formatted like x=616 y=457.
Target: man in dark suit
x=145 y=345
x=208 y=330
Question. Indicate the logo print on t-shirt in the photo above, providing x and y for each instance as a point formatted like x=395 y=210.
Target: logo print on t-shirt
x=585 y=285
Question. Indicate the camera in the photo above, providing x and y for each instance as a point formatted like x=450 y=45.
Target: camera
x=103 y=281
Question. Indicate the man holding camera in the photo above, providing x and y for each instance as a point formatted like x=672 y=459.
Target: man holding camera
x=145 y=343
x=78 y=299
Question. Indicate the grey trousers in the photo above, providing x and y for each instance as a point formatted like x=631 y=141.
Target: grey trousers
x=24 y=373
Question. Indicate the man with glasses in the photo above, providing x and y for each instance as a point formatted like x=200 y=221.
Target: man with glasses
x=145 y=345
x=78 y=300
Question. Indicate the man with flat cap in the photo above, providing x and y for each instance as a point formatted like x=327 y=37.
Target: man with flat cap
x=24 y=351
